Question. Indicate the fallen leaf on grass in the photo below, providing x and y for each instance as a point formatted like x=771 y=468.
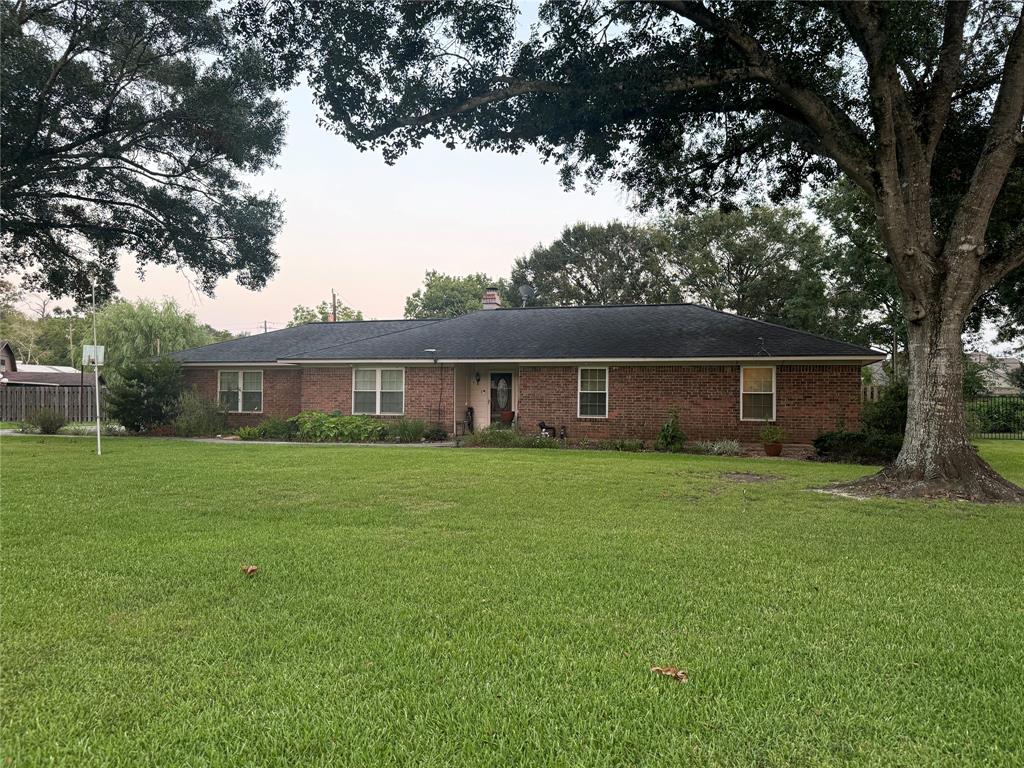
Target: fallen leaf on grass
x=674 y=672
x=249 y=570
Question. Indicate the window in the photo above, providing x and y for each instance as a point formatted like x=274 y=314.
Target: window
x=757 y=394
x=378 y=391
x=240 y=391
x=593 y=393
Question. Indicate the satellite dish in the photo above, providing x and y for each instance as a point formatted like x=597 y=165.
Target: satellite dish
x=527 y=291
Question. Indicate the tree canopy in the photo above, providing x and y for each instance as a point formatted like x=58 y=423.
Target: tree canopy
x=128 y=128
x=612 y=263
x=449 y=296
x=322 y=313
x=130 y=331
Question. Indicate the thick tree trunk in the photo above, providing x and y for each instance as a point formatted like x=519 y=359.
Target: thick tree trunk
x=938 y=460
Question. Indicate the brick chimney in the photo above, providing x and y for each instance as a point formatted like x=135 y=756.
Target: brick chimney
x=492 y=299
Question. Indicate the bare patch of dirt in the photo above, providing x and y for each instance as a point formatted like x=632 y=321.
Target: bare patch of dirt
x=749 y=477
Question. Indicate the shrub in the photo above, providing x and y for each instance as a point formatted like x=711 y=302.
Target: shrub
x=46 y=420
x=858 y=447
x=276 y=428
x=888 y=414
x=671 y=437
x=145 y=394
x=496 y=437
x=320 y=427
x=198 y=417
x=249 y=433
x=89 y=428
x=406 y=430
x=436 y=433
x=772 y=434
x=718 y=447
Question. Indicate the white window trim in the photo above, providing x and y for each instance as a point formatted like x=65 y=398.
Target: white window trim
x=240 y=372
x=579 y=390
x=775 y=392
x=376 y=400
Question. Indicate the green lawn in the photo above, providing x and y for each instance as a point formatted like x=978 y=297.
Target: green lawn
x=475 y=607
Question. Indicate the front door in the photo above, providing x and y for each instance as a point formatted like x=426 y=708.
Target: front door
x=501 y=395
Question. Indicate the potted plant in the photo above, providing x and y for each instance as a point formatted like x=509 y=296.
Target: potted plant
x=772 y=437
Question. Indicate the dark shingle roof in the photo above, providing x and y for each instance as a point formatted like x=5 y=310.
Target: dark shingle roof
x=664 y=331
x=269 y=347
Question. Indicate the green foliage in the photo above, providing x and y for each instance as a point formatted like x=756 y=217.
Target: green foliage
x=445 y=296
x=130 y=128
x=975 y=384
x=718 y=447
x=195 y=416
x=136 y=330
x=888 y=414
x=130 y=331
x=499 y=437
x=145 y=394
x=322 y=314
x=406 y=430
x=249 y=433
x=858 y=447
x=46 y=420
x=320 y=427
x=671 y=437
x=435 y=433
x=276 y=428
x=772 y=434
x=764 y=262
x=611 y=263
x=996 y=415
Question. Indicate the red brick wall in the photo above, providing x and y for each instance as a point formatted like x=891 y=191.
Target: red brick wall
x=810 y=399
x=287 y=391
x=282 y=388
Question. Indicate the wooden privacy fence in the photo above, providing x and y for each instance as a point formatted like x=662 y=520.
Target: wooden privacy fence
x=73 y=403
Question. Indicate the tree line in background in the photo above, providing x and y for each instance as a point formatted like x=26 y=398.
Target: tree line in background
x=130 y=330
x=771 y=263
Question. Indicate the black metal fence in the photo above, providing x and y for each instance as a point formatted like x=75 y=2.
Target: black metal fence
x=998 y=416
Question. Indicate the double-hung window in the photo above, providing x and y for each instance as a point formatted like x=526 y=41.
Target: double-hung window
x=757 y=393
x=593 y=393
x=378 y=391
x=240 y=391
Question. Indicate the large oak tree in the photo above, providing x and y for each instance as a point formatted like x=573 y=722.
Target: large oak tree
x=917 y=104
x=129 y=128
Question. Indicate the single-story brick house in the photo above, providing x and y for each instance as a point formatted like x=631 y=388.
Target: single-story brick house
x=602 y=372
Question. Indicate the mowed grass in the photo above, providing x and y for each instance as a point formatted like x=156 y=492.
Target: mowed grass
x=479 y=607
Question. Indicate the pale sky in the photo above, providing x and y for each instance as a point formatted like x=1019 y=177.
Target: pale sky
x=370 y=230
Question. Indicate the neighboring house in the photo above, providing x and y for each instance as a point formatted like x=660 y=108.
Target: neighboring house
x=998 y=373
x=14 y=372
x=600 y=372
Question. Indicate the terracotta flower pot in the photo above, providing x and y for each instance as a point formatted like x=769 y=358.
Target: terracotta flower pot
x=773 y=449
x=507 y=417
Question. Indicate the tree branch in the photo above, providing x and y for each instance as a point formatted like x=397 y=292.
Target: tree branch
x=947 y=76
x=840 y=136
x=997 y=156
